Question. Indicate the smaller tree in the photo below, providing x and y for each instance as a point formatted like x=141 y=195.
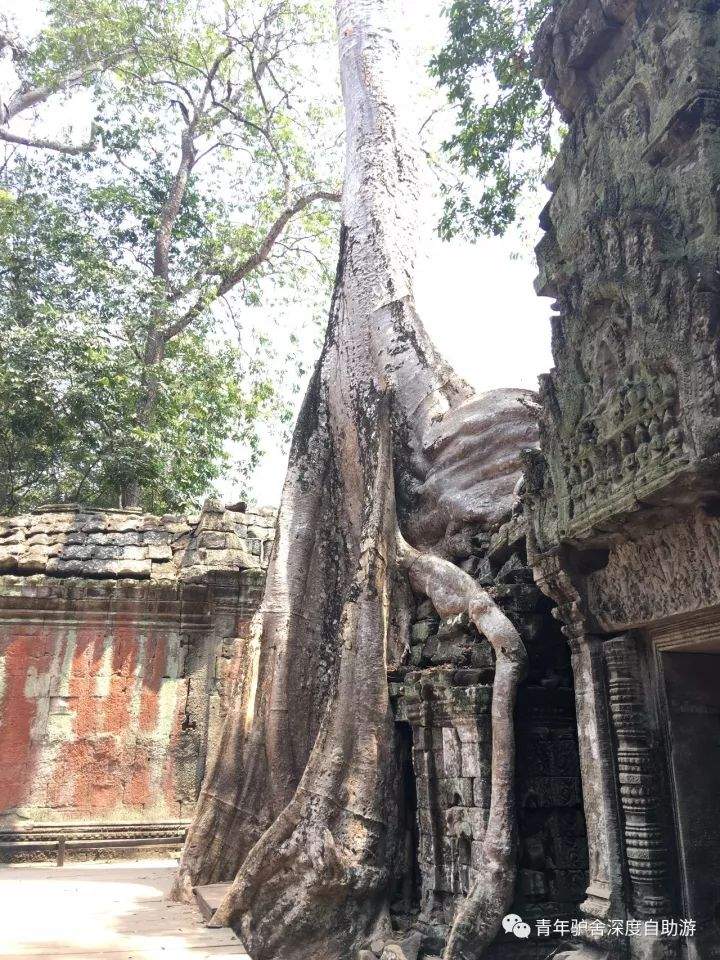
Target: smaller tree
x=504 y=125
x=210 y=175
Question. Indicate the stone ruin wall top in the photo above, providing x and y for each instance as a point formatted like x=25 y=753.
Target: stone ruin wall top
x=62 y=541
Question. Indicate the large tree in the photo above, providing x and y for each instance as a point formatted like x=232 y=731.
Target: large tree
x=207 y=175
x=386 y=482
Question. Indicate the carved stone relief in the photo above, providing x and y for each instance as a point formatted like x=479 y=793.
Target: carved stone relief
x=623 y=498
x=641 y=796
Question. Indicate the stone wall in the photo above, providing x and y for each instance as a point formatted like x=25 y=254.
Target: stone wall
x=444 y=695
x=631 y=410
x=622 y=499
x=121 y=635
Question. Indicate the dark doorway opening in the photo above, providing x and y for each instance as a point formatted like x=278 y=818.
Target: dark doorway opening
x=408 y=894
x=553 y=851
x=692 y=682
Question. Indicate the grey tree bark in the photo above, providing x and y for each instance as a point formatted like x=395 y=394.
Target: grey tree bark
x=386 y=479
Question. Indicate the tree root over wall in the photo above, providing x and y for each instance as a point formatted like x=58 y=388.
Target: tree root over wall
x=300 y=805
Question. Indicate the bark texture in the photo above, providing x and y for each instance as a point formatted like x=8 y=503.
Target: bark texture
x=391 y=449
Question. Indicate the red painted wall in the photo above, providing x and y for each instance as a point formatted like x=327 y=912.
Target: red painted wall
x=91 y=715
x=109 y=692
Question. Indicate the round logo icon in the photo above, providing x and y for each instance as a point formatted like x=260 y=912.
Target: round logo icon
x=512 y=923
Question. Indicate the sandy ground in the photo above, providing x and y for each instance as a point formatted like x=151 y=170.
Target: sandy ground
x=108 y=911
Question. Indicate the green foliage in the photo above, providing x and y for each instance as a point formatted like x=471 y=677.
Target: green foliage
x=72 y=314
x=504 y=123
x=86 y=411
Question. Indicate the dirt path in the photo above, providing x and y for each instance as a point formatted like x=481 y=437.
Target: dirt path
x=107 y=911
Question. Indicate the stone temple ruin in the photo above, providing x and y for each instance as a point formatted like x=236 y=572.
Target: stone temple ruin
x=122 y=634
x=623 y=501
x=442 y=697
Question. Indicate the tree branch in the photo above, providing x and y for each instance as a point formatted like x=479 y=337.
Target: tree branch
x=171 y=207
x=263 y=251
x=173 y=202
x=27 y=97
x=43 y=144
x=10 y=39
x=188 y=156
x=251 y=263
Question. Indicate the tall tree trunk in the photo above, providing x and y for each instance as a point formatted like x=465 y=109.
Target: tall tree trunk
x=157 y=338
x=131 y=490
x=300 y=804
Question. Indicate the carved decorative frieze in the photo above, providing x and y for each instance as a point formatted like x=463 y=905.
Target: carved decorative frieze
x=666 y=572
x=632 y=429
x=631 y=410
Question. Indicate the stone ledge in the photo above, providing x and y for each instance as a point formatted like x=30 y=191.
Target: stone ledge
x=69 y=540
x=40 y=841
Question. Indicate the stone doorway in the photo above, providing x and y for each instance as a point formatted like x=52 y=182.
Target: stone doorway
x=406 y=899
x=691 y=674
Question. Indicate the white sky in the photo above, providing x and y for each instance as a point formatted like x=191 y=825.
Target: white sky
x=476 y=300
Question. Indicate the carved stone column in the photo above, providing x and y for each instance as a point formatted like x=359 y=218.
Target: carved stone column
x=605 y=888
x=641 y=784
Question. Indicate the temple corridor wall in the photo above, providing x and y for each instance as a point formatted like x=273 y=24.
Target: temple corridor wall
x=115 y=672
x=622 y=498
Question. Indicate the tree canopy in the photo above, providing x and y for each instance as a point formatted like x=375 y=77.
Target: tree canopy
x=167 y=168
x=131 y=252
x=504 y=121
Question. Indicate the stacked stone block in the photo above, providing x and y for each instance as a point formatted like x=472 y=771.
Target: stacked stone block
x=444 y=693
